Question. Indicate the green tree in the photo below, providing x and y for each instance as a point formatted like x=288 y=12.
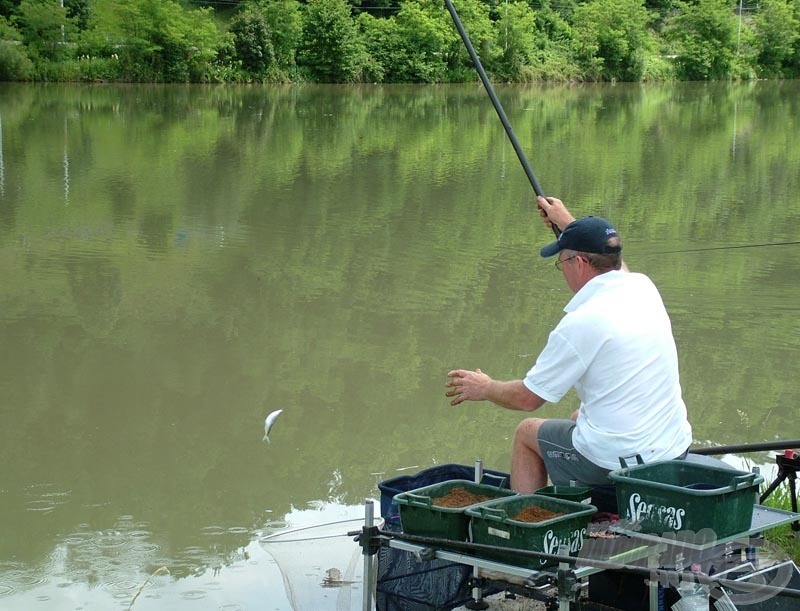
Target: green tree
x=286 y=25
x=474 y=16
x=553 y=56
x=80 y=11
x=15 y=65
x=424 y=32
x=8 y=8
x=705 y=36
x=44 y=26
x=383 y=47
x=776 y=35
x=159 y=40
x=252 y=40
x=515 y=32
x=331 y=50
x=612 y=39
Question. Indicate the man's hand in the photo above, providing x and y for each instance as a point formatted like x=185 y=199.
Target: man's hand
x=465 y=385
x=554 y=212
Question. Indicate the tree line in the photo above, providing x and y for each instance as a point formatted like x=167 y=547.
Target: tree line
x=396 y=41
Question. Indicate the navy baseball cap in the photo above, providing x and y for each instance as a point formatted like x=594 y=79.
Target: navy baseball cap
x=588 y=234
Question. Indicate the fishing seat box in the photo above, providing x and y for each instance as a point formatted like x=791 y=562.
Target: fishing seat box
x=432 y=475
x=678 y=495
x=420 y=515
x=493 y=523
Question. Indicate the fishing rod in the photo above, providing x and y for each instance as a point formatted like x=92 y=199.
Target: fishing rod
x=749 y=447
x=497 y=106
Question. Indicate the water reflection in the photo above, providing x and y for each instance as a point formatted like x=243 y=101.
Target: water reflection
x=281 y=565
x=334 y=251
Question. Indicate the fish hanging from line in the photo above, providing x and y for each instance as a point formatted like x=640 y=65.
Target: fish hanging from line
x=269 y=422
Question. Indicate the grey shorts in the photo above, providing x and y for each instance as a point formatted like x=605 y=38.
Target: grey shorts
x=563 y=461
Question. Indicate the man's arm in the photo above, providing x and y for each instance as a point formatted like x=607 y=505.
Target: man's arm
x=466 y=385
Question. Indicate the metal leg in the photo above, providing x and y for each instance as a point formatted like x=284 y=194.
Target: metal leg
x=477 y=603
x=369 y=564
x=652 y=563
x=565 y=581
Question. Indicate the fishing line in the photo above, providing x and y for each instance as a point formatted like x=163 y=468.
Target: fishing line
x=709 y=248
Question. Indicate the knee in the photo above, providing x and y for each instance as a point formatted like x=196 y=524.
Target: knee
x=527 y=431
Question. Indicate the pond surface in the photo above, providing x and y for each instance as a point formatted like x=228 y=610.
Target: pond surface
x=180 y=261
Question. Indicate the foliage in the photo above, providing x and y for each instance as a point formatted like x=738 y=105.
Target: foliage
x=401 y=40
x=331 y=50
x=44 y=26
x=80 y=11
x=784 y=537
x=286 y=24
x=776 y=36
x=252 y=38
x=422 y=37
x=14 y=63
x=612 y=39
x=705 y=34
x=475 y=19
x=515 y=32
x=158 y=40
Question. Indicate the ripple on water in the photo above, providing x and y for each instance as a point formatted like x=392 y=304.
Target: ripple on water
x=238 y=530
x=40 y=505
x=6 y=590
x=24 y=579
x=144 y=547
x=109 y=540
x=193 y=594
x=119 y=585
x=77 y=538
x=213 y=531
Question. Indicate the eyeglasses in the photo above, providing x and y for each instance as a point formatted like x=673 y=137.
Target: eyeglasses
x=560 y=262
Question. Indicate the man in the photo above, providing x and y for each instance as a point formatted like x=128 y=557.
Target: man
x=614 y=346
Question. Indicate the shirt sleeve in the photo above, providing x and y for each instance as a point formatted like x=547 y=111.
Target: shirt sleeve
x=556 y=370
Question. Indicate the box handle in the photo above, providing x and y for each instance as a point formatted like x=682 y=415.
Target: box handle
x=500 y=478
x=623 y=460
x=419 y=500
x=742 y=480
x=492 y=512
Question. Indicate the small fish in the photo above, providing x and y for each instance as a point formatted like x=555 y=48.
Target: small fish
x=273 y=416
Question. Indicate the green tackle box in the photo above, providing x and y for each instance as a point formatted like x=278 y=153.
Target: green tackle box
x=567 y=493
x=493 y=523
x=419 y=515
x=676 y=495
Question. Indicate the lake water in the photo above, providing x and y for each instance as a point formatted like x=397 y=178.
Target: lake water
x=179 y=261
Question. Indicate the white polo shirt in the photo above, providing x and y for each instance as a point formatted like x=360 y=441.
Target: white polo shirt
x=615 y=346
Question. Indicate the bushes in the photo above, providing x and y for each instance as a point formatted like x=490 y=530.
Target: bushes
x=402 y=41
x=14 y=63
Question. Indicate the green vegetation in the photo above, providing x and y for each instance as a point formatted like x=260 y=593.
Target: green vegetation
x=392 y=41
x=783 y=537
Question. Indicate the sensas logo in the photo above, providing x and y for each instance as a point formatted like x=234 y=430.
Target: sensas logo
x=573 y=540
x=639 y=511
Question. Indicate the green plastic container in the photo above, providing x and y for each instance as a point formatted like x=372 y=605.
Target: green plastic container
x=419 y=516
x=567 y=493
x=676 y=495
x=493 y=523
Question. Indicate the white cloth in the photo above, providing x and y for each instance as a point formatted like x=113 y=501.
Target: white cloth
x=615 y=346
